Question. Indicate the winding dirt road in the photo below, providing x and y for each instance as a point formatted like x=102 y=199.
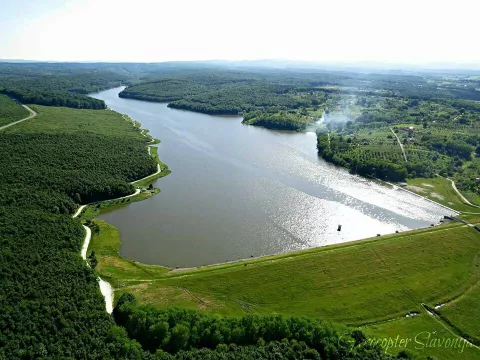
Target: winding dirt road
x=460 y=194
x=32 y=115
x=105 y=287
x=399 y=143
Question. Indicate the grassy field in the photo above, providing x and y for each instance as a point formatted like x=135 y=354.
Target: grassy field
x=440 y=190
x=55 y=120
x=464 y=312
x=10 y=111
x=421 y=335
x=356 y=284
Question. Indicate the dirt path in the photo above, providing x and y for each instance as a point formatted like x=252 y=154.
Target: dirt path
x=86 y=242
x=105 y=287
x=460 y=194
x=32 y=115
x=159 y=170
x=399 y=143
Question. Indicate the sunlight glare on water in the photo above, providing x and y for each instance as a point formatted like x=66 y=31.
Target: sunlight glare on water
x=238 y=191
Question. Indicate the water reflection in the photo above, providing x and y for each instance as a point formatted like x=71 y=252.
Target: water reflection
x=237 y=191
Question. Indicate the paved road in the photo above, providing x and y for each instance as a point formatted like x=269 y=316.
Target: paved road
x=32 y=115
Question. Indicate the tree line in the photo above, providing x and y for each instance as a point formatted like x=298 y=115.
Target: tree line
x=188 y=334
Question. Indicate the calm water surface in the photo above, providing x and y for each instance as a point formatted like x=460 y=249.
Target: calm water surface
x=237 y=190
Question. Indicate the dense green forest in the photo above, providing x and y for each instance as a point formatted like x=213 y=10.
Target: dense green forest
x=292 y=99
x=222 y=93
x=342 y=153
x=50 y=304
x=10 y=111
x=58 y=85
x=99 y=175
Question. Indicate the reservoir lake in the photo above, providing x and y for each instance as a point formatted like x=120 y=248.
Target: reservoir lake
x=238 y=191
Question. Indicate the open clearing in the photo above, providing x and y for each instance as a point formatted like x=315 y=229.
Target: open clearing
x=440 y=190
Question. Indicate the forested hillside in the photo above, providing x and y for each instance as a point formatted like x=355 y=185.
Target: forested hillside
x=56 y=85
x=50 y=304
x=292 y=99
x=10 y=111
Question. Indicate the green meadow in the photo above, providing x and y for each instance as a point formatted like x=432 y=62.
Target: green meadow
x=371 y=284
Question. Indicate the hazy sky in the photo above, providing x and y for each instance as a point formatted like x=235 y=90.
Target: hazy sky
x=418 y=31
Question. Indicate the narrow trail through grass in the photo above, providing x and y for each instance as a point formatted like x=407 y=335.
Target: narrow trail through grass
x=31 y=116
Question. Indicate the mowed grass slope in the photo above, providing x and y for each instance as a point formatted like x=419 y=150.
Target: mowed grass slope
x=464 y=312
x=370 y=284
x=10 y=111
x=354 y=283
x=421 y=335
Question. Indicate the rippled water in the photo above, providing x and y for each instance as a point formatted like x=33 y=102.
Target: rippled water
x=238 y=191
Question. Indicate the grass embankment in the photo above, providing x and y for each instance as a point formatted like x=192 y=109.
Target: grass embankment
x=422 y=335
x=464 y=313
x=358 y=283
x=10 y=111
x=440 y=190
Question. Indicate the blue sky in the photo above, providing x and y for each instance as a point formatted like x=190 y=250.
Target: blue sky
x=408 y=31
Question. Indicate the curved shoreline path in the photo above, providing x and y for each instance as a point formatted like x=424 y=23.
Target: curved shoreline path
x=105 y=287
x=32 y=115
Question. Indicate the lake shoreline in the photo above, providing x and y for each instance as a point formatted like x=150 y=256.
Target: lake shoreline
x=162 y=170
x=187 y=199
x=116 y=244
